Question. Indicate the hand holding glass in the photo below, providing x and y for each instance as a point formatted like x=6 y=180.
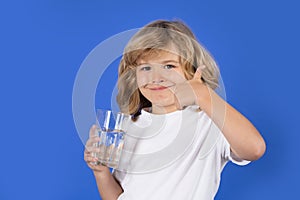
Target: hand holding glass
x=111 y=131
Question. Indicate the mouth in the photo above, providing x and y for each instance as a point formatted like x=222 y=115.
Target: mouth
x=157 y=87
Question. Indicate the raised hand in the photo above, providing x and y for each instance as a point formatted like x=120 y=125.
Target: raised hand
x=188 y=93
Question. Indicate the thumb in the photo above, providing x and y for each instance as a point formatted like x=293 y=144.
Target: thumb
x=198 y=74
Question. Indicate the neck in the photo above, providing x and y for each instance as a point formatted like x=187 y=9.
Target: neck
x=163 y=109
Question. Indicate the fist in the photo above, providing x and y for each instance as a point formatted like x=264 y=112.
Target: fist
x=188 y=92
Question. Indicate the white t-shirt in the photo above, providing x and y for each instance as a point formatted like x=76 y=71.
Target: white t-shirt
x=175 y=156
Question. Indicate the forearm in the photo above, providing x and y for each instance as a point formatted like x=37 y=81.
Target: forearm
x=244 y=139
x=108 y=187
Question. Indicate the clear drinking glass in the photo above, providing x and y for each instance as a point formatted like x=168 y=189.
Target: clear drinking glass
x=111 y=130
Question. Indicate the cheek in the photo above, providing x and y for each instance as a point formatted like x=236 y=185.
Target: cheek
x=143 y=91
x=141 y=80
x=146 y=94
x=176 y=77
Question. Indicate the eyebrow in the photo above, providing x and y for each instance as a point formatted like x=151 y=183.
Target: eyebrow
x=163 y=62
x=170 y=61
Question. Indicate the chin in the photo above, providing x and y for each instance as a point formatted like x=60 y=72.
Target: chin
x=163 y=103
x=162 y=99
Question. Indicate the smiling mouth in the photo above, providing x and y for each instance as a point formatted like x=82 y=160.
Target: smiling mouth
x=157 y=87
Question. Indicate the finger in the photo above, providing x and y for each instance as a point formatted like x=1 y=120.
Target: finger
x=90 y=150
x=91 y=165
x=91 y=141
x=86 y=152
x=90 y=158
x=93 y=131
x=94 y=162
x=184 y=95
x=95 y=166
x=198 y=73
x=98 y=167
x=96 y=149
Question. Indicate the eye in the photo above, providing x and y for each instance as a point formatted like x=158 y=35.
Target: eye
x=169 y=66
x=145 y=68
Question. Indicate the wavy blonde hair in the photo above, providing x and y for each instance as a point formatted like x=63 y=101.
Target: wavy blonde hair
x=153 y=38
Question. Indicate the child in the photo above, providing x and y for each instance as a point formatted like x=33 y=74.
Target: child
x=182 y=133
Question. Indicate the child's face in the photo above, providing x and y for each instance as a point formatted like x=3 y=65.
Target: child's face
x=157 y=76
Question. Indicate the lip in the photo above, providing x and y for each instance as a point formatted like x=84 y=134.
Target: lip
x=158 y=88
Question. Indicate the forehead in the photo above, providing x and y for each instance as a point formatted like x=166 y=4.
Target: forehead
x=159 y=56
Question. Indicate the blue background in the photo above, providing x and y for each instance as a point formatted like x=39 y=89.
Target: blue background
x=43 y=44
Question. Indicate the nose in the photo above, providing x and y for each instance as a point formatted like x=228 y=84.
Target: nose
x=157 y=81
x=157 y=75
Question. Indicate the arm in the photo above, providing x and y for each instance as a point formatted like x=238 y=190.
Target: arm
x=108 y=186
x=244 y=139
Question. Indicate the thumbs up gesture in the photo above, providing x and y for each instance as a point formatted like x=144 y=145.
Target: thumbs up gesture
x=189 y=92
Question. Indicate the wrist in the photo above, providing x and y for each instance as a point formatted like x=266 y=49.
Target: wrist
x=103 y=174
x=203 y=96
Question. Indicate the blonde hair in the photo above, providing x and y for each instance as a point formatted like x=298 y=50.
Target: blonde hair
x=159 y=36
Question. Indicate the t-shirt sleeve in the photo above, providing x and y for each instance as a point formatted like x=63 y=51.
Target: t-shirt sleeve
x=229 y=155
